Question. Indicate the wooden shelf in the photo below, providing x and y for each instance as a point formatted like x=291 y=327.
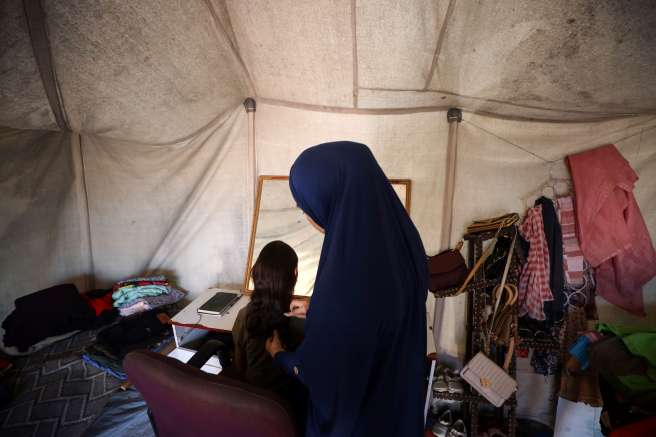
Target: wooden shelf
x=476 y=303
x=474 y=285
x=457 y=396
x=470 y=397
x=542 y=345
x=488 y=235
x=475 y=308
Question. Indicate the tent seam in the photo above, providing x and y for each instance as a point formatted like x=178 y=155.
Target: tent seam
x=504 y=102
x=440 y=41
x=234 y=47
x=38 y=31
x=420 y=109
x=88 y=217
x=354 y=45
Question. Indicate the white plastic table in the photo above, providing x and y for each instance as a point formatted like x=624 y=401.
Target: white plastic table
x=190 y=326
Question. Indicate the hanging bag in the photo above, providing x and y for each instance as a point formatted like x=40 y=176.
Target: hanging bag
x=446 y=269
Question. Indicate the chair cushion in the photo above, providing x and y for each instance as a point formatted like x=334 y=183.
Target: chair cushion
x=186 y=401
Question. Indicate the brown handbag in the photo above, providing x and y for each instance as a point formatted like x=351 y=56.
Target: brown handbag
x=446 y=269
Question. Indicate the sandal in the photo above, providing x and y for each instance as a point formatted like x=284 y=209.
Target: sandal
x=454 y=382
x=458 y=429
x=496 y=432
x=441 y=427
x=440 y=385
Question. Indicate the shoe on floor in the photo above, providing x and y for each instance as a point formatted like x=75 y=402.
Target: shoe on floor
x=441 y=427
x=458 y=429
x=440 y=385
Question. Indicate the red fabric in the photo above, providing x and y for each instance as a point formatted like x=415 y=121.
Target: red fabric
x=100 y=304
x=643 y=429
x=534 y=281
x=521 y=352
x=612 y=232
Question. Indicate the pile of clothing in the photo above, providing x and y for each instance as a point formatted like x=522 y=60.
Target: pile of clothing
x=47 y=315
x=610 y=375
x=147 y=330
x=146 y=305
x=136 y=295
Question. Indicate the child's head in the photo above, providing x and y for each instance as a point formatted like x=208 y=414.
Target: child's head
x=275 y=270
x=274 y=276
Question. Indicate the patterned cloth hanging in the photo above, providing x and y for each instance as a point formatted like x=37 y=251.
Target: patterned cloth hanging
x=534 y=281
x=573 y=260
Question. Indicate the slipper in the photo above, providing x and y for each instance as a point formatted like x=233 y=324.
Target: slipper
x=441 y=427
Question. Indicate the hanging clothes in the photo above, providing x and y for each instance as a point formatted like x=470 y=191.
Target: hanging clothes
x=573 y=259
x=554 y=238
x=534 y=281
x=612 y=232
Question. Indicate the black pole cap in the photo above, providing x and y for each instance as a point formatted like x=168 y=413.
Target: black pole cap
x=454 y=114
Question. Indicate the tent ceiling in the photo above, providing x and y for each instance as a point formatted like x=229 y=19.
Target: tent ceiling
x=23 y=102
x=157 y=71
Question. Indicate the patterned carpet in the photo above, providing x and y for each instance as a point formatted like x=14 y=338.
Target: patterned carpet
x=56 y=393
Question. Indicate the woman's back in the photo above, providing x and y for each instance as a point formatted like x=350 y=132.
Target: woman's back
x=363 y=356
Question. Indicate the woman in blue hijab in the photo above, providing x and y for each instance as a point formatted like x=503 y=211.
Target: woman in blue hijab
x=363 y=356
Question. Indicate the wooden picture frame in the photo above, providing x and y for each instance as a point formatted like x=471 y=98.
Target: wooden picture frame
x=256 y=214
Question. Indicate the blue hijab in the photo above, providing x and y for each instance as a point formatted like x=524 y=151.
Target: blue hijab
x=363 y=357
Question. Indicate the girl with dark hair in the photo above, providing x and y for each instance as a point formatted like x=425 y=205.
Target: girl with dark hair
x=274 y=276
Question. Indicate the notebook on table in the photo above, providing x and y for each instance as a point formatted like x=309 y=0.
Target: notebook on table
x=218 y=304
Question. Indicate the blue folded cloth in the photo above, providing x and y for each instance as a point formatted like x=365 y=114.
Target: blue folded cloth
x=579 y=350
x=114 y=372
x=129 y=293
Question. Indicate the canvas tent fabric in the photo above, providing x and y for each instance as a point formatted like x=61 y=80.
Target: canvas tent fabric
x=124 y=146
x=157 y=72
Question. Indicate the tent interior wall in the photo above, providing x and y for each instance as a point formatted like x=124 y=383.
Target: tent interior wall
x=125 y=146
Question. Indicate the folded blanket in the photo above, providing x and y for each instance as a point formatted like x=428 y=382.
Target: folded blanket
x=129 y=293
x=134 y=308
x=140 y=279
x=174 y=295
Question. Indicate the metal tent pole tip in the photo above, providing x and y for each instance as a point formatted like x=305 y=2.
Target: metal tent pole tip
x=454 y=114
x=250 y=104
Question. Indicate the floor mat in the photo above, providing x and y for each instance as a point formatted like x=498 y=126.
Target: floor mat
x=126 y=414
x=55 y=392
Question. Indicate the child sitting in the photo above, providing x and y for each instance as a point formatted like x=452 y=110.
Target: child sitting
x=274 y=276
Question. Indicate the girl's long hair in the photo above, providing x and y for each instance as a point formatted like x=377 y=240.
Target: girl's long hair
x=274 y=276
